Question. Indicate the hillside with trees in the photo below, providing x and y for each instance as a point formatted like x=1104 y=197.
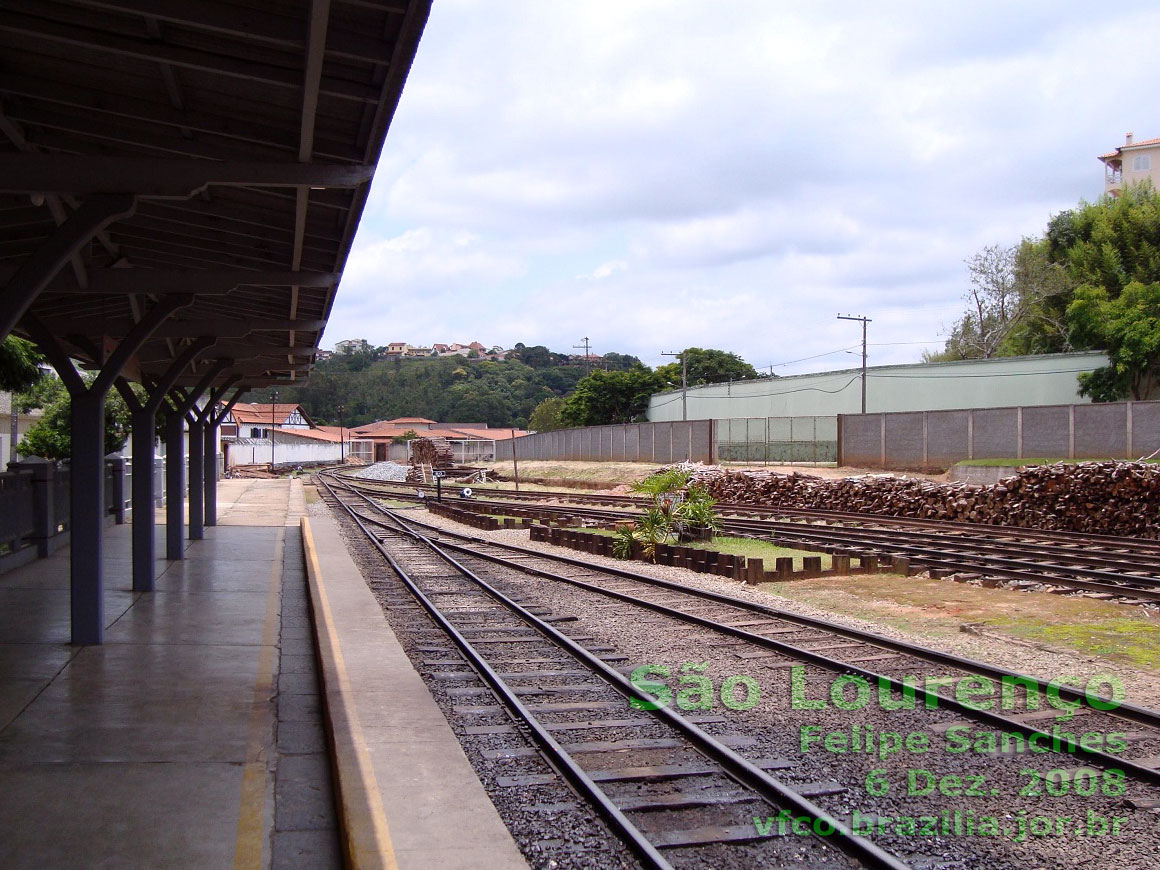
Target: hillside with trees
x=1090 y=282
x=534 y=387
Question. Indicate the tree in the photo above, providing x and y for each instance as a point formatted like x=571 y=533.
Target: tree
x=51 y=436
x=548 y=415
x=19 y=365
x=1112 y=251
x=1128 y=327
x=1044 y=290
x=618 y=362
x=1016 y=305
x=708 y=366
x=992 y=303
x=611 y=397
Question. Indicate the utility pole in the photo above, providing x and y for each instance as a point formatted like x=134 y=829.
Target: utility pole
x=587 y=362
x=864 y=321
x=341 y=439
x=684 y=383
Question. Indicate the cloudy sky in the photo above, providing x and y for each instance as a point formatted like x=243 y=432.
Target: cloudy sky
x=657 y=174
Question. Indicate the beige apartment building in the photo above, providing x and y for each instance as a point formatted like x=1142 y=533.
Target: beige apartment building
x=1130 y=163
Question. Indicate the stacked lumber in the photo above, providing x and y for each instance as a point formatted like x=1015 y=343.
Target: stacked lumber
x=435 y=452
x=1115 y=498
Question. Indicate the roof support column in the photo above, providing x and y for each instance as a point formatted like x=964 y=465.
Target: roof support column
x=213 y=420
x=196 y=427
x=144 y=418
x=87 y=479
x=175 y=471
x=66 y=241
x=174 y=486
x=87 y=511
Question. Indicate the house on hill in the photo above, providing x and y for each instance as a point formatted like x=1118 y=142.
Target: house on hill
x=1131 y=163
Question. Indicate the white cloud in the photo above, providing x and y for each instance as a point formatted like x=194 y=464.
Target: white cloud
x=761 y=165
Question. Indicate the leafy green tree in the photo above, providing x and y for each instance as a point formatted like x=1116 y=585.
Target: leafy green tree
x=1113 y=241
x=618 y=362
x=708 y=366
x=537 y=356
x=548 y=415
x=19 y=365
x=51 y=436
x=1128 y=328
x=1044 y=289
x=1112 y=251
x=611 y=397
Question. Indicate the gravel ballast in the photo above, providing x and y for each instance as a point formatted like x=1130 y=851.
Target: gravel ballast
x=651 y=638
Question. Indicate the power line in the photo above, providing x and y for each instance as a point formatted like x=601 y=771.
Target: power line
x=805 y=358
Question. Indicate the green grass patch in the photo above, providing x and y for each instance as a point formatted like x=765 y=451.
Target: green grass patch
x=1136 y=641
x=936 y=608
x=746 y=547
x=396 y=503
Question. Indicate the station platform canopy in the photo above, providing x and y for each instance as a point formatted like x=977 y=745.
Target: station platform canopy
x=190 y=171
x=180 y=185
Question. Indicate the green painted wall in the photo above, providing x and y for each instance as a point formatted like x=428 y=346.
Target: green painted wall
x=1007 y=381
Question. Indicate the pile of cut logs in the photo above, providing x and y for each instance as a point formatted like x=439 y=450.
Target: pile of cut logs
x=435 y=452
x=1115 y=498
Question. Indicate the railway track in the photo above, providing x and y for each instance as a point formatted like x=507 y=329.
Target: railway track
x=763 y=636
x=506 y=643
x=1112 y=543
x=1123 y=567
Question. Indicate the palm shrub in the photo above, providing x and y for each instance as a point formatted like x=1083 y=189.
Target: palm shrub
x=622 y=541
x=653 y=528
x=695 y=518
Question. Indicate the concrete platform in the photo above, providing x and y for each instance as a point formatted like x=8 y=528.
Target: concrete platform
x=191 y=738
x=409 y=796
x=200 y=734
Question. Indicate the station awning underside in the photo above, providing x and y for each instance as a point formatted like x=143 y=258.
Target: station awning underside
x=205 y=156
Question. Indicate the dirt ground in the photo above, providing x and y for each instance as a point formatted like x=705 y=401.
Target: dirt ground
x=1125 y=634
x=614 y=473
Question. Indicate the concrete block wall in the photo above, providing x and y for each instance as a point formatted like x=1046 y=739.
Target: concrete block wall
x=938 y=439
x=692 y=441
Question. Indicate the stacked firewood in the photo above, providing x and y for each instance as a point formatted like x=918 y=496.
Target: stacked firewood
x=1116 y=498
x=435 y=452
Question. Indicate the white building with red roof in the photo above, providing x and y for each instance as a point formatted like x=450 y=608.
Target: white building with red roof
x=1131 y=163
x=282 y=433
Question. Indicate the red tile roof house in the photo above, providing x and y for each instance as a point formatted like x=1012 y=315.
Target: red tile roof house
x=297 y=439
x=470 y=442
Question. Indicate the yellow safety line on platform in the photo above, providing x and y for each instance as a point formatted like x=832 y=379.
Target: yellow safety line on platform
x=252 y=813
x=367 y=837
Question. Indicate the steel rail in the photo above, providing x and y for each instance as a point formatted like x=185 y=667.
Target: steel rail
x=744 y=771
x=989 y=560
x=1128 y=712
x=1124 y=543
